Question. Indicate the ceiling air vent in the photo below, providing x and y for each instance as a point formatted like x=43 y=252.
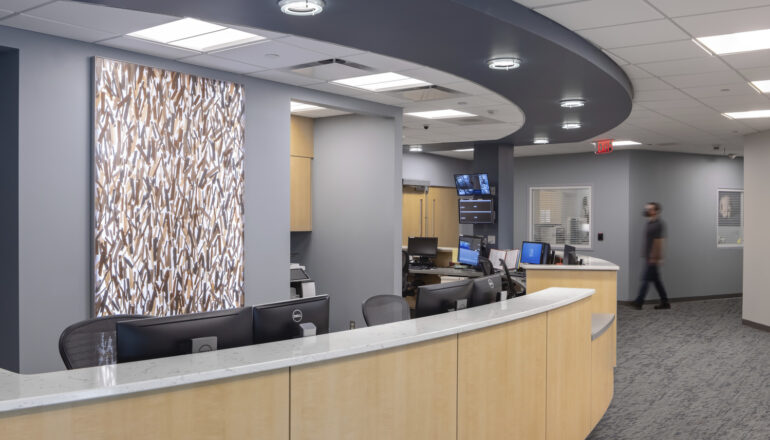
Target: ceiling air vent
x=426 y=93
x=476 y=120
x=331 y=69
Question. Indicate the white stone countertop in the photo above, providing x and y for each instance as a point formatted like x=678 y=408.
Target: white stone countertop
x=589 y=263
x=24 y=391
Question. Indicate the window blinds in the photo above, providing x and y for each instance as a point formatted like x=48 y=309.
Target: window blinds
x=729 y=218
x=561 y=216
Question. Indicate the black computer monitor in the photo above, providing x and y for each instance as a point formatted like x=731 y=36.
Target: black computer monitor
x=151 y=338
x=433 y=299
x=469 y=249
x=570 y=255
x=476 y=211
x=486 y=290
x=472 y=184
x=283 y=320
x=422 y=246
x=534 y=252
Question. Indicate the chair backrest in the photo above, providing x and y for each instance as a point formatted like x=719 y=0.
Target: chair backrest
x=383 y=309
x=486 y=266
x=404 y=271
x=91 y=343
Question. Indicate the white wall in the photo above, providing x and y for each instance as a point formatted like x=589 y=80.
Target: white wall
x=756 y=289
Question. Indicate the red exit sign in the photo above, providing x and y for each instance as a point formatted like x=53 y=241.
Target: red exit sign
x=604 y=146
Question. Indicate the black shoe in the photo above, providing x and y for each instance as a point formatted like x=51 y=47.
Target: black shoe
x=635 y=305
x=663 y=306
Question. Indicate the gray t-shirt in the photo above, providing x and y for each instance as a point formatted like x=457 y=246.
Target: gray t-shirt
x=655 y=230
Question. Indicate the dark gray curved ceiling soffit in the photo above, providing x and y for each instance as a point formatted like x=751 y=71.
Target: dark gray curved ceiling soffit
x=458 y=37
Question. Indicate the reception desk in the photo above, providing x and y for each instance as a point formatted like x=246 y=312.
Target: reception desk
x=519 y=369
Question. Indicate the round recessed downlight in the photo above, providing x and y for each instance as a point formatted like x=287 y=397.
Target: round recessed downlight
x=570 y=125
x=504 y=63
x=415 y=148
x=539 y=141
x=302 y=7
x=573 y=103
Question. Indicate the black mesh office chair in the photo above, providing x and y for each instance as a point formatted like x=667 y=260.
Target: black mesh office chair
x=404 y=273
x=91 y=343
x=486 y=266
x=384 y=309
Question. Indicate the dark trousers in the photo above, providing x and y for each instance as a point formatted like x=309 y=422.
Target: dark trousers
x=651 y=275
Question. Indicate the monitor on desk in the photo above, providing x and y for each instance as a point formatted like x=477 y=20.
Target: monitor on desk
x=469 y=249
x=151 y=338
x=534 y=252
x=422 y=246
x=291 y=319
x=433 y=299
x=486 y=290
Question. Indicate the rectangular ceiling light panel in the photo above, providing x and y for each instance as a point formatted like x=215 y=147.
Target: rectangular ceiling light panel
x=762 y=86
x=738 y=42
x=753 y=114
x=441 y=114
x=190 y=33
x=382 y=82
x=297 y=107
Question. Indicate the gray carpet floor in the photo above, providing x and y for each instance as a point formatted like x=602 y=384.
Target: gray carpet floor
x=693 y=372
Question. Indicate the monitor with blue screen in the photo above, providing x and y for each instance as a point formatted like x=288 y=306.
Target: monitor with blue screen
x=532 y=252
x=469 y=249
x=472 y=184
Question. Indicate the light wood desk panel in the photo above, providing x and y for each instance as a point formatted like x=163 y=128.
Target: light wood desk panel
x=602 y=376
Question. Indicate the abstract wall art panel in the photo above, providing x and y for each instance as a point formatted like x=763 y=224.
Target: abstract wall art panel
x=167 y=191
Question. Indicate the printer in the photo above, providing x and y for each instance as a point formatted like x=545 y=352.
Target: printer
x=302 y=286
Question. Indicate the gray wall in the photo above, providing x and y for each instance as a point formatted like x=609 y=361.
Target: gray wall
x=9 y=200
x=55 y=183
x=354 y=250
x=439 y=170
x=497 y=162
x=608 y=175
x=756 y=299
x=686 y=185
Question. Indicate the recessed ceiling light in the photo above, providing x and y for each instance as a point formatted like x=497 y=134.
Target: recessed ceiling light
x=762 y=86
x=302 y=7
x=540 y=141
x=462 y=150
x=415 y=148
x=504 y=63
x=441 y=114
x=297 y=107
x=382 y=82
x=573 y=103
x=748 y=115
x=176 y=30
x=571 y=125
x=625 y=143
x=217 y=40
x=738 y=42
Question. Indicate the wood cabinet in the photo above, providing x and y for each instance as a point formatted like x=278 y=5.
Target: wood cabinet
x=301 y=168
x=431 y=214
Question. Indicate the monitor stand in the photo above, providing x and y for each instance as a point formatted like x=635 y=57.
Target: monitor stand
x=460 y=304
x=307 y=329
x=204 y=344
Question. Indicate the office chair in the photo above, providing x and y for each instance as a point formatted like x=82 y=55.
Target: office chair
x=404 y=273
x=486 y=266
x=91 y=343
x=511 y=284
x=384 y=309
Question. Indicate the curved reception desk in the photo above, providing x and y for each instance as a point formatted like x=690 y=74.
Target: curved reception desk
x=517 y=369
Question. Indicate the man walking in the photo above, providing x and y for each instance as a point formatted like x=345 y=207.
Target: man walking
x=654 y=256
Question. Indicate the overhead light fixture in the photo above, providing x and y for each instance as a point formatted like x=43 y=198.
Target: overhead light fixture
x=753 y=114
x=625 y=143
x=441 y=114
x=302 y=7
x=382 y=82
x=761 y=86
x=415 y=148
x=504 y=63
x=737 y=42
x=571 y=125
x=190 y=33
x=463 y=150
x=573 y=103
x=540 y=141
x=297 y=107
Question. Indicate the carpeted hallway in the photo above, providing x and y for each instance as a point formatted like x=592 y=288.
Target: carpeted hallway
x=693 y=372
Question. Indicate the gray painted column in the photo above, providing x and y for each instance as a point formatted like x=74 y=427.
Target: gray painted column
x=497 y=161
x=756 y=300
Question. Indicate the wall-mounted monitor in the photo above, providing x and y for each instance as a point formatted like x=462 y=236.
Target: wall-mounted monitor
x=476 y=211
x=472 y=184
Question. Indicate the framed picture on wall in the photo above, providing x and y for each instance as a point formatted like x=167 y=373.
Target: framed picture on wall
x=730 y=218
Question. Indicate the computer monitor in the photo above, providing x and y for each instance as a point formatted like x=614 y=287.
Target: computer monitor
x=151 y=338
x=534 y=252
x=289 y=319
x=433 y=299
x=469 y=249
x=472 y=184
x=570 y=255
x=422 y=246
x=476 y=211
x=486 y=290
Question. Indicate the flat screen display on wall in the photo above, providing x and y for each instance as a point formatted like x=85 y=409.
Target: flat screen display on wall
x=472 y=184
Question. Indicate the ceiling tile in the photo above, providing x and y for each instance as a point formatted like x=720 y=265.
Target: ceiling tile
x=738 y=103
x=647 y=84
x=676 y=8
x=675 y=50
x=469 y=88
x=382 y=62
x=221 y=64
x=671 y=103
x=20 y=5
x=112 y=20
x=23 y=21
x=619 y=61
x=337 y=89
x=432 y=76
x=741 y=88
x=541 y=3
x=5 y=13
x=270 y=35
x=147 y=47
x=703 y=79
x=600 y=13
x=635 y=72
x=635 y=34
x=262 y=54
x=748 y=60
x=685 y=67
x=285 y=77
x=658 y=95
x=332 y=50
x=383 y=99
x=726 y=22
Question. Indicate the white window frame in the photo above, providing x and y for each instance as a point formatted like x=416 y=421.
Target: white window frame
x=590 y=188
x=743 y=219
